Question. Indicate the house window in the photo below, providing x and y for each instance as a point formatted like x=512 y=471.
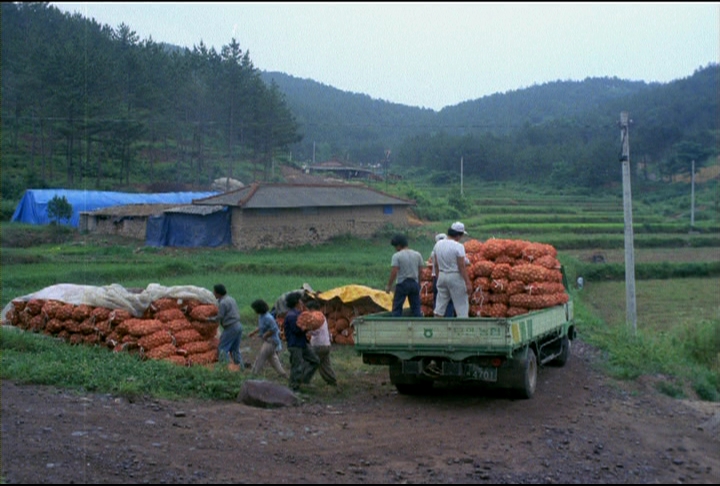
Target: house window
x=387 y=209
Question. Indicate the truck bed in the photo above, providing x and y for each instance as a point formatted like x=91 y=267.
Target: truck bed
x=456 y=338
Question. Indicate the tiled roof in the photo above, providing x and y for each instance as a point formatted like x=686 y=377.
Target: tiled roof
x=276 y=196
x=131 y=210
x=195 y=209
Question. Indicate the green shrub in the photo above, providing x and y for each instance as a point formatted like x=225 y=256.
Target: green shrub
x=59 y=209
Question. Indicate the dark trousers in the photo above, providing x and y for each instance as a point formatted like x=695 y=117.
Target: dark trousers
x=303 y=364
x=407 y=289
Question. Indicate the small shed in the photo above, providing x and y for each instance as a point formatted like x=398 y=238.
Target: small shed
x=284 y=215
x=129 y=220
x=190 y=226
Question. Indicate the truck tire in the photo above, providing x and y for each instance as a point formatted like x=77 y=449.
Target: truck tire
x=408 y=384
x=528 y=383
x=564 y=353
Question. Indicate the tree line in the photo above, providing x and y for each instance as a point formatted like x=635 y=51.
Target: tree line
x=88 y=105
x=108 y=109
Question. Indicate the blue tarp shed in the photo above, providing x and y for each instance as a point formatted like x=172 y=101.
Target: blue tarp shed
x=32 y=208
x=191 y=226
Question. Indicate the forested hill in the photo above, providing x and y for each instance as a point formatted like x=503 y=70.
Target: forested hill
x=349 y=120
x=87 y=105
x=502 y=113
x=559 y=132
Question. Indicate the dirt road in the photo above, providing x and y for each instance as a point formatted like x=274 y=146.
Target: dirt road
x=579 y=428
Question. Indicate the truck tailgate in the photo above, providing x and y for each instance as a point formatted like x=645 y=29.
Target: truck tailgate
x=456 y=338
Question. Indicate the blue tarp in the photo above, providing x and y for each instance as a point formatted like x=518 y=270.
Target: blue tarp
x=189 y=230
x=32 y=208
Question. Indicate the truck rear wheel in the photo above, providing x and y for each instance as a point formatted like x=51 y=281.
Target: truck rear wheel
x=529 y=376
x=408 y=384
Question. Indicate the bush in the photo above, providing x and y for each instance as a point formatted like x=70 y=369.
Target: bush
x=59 y=209
x=7 y=209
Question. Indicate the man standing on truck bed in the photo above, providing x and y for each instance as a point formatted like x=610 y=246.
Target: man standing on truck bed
x=453 y=280
x=406 y=267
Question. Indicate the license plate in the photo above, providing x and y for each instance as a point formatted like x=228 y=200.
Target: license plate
x=481 y=373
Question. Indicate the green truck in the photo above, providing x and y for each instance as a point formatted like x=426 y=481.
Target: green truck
x=502 y=352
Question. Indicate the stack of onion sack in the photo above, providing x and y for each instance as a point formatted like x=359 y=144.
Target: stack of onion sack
x=339 y=316
x=509 y=277
x=170 y=329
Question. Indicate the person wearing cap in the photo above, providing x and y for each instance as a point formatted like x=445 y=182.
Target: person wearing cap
x=453 y=280
x=450 y=309
x=406 y=266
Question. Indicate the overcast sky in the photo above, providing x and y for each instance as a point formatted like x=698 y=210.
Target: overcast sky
x=433 y=55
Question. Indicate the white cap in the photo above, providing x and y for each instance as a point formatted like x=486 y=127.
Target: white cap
x=440 y=236
x=458 y=227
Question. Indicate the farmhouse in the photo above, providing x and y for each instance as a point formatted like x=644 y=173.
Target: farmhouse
x=283 y=215
x=129 y=220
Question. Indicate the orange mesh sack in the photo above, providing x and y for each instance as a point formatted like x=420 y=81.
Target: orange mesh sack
x=203 y=312
x=154 y=340
x=168 y=315
x=178 y=325
x=101 y=313
x=54 y=326
x=50 y=308
x=548 y=261
x=206 y=329
x=81 y=312
x=473 y=246
x=34 y=306
x=515 y=248
x=482 y=268
x=493 y=248
x=310 y=320
x=161 y=352
x=143 y=327
x=197 y=347
x=119 y=315
x=178 y=360
x=501 y=270
x=187 y=336
x=164 y=304
x=534 y=251
x=203 y=358
x=529 y=273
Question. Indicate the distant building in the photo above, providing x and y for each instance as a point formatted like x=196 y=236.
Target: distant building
x=286 y=215
x=338 y=170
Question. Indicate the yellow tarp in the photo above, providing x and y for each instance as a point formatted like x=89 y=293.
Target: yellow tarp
x=352 y=293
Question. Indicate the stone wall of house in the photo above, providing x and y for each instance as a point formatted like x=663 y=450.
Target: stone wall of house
x=278 y=228
x=128 y=227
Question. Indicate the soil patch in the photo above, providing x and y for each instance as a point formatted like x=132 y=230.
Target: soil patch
x=580 y=427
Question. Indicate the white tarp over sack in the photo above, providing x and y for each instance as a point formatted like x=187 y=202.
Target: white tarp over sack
x=115 y=296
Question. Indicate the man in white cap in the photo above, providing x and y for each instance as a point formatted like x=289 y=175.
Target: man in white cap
x=453 y=281
x=450 y=309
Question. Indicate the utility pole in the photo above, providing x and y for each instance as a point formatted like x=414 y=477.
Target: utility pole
x=461 y=177
x=692 y=196
x=631 y=312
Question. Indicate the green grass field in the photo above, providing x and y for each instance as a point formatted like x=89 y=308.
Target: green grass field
x=678 y=332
